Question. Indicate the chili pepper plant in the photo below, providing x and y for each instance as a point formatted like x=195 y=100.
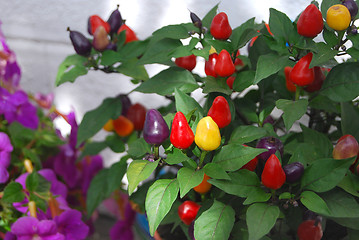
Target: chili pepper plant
x=271 y=153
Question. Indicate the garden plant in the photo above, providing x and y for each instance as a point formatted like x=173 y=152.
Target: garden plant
x=269 y=150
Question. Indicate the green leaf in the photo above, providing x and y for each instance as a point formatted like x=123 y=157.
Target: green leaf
x=207 y=20
x=20 y=135
x=260 y=219
x=314 y=203
x=292 y=110
x=94 y=120
x=176 y=157
x=243 y=34
x=215 y=171
x=216 y=223
x=104 y=183
x=323 y=55
x=115 y=143
x=131 y=50
x=159 y=199
x=216 y=85
x=325 y=174
x=178 y=31
x=257 y=195
x=188 y=178
x=159 y=51
x=348 y=113
x=72 y=67
x=241 y=184
x=268 y=65
x=246 y=134
x=13 y=193
x=350 y=184
x=37 y=183
x=165 y=82
x=244 y=79
x=342 y=82
x=304 y=153
x=341 y=204
x=323 y=103
x=280 y=24
x=110 y=57
x=137 y=171
x=132 y=69
x=92 y=148
x=185 y=103
x=321 y=143
x=138 y=148
x=234 y=156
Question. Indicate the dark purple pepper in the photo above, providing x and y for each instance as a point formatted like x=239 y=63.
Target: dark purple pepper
x=81 y=44
x=310 y=215
x=269 y=119
x=272 y=144
x=112 y=46
x=352 y=7
x=196 y=20
x=115 y=20
x=155 y=129
x=126 y=103
x=293 y=171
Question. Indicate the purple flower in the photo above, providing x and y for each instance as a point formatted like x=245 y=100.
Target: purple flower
x=45 y=101
x=10 y=72
x=69 y=223
x=5 y=150
x=122 y=230
x=28 y=228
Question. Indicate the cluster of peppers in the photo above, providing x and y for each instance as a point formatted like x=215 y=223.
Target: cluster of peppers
x=105 y=34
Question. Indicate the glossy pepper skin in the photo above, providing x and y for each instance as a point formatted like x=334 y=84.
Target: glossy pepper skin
x=293 y=171
x=338 y=17
x=187 y=211
x=273 y=176
x=230 y=81
x=352 y=7
x=115 y=21
x=130 y=34
x=289 y=84
x=310 y=22
x=182 y=135
x=100 y=39
x=310 y=230
x=187 y=62
x=155 y=129
x=123 y=126
x=207 y=135
x=94 y=22
x=301 y=74
x=319 y=78
x=220 y=112
x=224 y=66
x=209 y=65
x=220 y=28
x=80 y=43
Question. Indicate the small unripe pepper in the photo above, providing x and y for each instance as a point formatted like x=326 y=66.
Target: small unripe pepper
x=207 y=136
x=181 y=134
x=155 y=129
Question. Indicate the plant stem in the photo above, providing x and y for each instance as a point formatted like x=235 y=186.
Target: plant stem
x=156 y=151
x=297 y=93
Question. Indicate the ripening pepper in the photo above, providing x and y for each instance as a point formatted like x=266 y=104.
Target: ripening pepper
x=155 y=129
x=207 y=136
x=181 y=134
x=220 y=112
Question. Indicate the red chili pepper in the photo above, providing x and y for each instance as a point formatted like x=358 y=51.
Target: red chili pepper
x=289 y=84
x=187 y=211
x=310 y=230
x=238 y=62
x=94 y=22
x=273 y=175
x=187 y=62
x=224 y=66
x=220 y=112
x=319 y=77
x=181 y=134
x=220 y=28
x=137 y=114
x=310 y=22
x=252 y=164
x=301 y=74
x=230 y=81
x=209 y=65
x=130 y=34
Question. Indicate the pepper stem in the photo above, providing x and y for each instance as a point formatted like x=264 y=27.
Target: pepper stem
x=273 y=193
x=156 y=151
x=203 y=155
x=32 y=209
x=297 y=93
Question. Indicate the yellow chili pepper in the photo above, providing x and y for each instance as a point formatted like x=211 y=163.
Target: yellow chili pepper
x=338 y=17
x=207 y=136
